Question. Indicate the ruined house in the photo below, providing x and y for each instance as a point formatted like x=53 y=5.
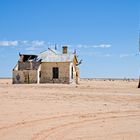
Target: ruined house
x=49 y=66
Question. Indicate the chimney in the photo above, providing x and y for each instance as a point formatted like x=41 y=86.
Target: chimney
x=65 y=49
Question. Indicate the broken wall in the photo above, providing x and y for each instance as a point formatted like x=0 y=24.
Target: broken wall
x=24 y=76
x=28 y=65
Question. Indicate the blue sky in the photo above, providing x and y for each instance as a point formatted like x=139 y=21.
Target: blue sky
x=104 y=33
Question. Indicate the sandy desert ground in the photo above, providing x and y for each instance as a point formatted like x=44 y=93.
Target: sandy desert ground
x=93 y=110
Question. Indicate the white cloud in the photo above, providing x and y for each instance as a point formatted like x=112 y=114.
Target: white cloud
x=31 y=48
x=129 y=55
x=94 y=46
x=102 y=46
x=37 y=43
x=9 y=43
x=95 y=54
x=107 y=55
x=124 y=55
x=42 y=43
x=34 y=43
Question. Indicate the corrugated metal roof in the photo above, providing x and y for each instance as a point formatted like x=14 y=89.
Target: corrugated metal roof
x=59 y=58
x=55 y=56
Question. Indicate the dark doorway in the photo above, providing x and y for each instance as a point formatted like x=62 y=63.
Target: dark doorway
x=72 y=72
x=55 y=73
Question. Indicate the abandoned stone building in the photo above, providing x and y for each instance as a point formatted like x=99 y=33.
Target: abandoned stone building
x=49 y=66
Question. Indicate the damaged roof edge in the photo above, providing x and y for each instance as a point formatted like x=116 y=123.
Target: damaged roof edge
x=49 y=55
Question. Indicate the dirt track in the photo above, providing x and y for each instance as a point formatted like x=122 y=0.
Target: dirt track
x=93 y=110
